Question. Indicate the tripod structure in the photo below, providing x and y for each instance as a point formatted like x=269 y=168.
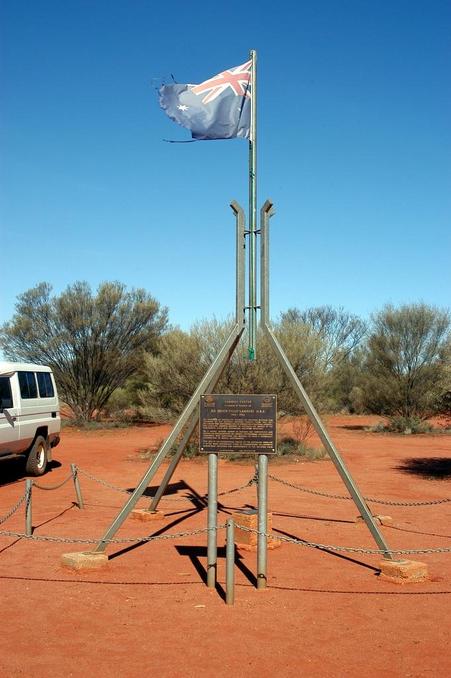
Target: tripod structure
x=189 y=418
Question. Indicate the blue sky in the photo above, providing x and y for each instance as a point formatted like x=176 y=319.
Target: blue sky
x=354 y=109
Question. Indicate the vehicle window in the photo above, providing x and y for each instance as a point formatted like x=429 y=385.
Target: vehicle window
x=45 y=385
x=27 y=383
x=6 y=399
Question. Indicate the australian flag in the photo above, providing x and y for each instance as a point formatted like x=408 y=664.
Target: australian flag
x=218 y=108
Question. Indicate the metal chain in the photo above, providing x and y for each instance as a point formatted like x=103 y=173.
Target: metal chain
x=235 y=489
x=345 y=549
x=102 y=482
x=125 y=540
x=120 y=489
x=386 y=502
x=52 y=487
x=12 y=511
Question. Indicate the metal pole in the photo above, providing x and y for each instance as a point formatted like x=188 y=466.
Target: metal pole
x=240 y=263
x=262 y=541
x=230 y=562
x=266 y=212
x=76 y=480
x=212 y=543
x=253 y=209
x=28 y=509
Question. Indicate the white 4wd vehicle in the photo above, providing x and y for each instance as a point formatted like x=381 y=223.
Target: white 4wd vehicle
x=30 y=421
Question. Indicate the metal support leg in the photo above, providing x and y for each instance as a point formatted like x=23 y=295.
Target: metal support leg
x=232 y=340
x=266 y=213
x=230 y=562
x=76 y=480
x=28 y=508
x=239 y=319
x=262 y=540
x=212 y=543
x=174 y=462
x=188 y=433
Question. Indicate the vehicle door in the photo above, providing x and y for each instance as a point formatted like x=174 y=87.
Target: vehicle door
x=9 y=424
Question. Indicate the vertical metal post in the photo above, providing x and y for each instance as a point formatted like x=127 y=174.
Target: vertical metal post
x=253 y=210
x=28 y=509
x=212 y=542
x=262 y=542
x=230 y=562
x=240 y=263
x=266 y=213
x=76 y=480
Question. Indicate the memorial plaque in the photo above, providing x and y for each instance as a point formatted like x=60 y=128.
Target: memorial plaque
x=237 y=424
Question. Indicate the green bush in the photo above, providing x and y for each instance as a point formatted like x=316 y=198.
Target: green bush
x=405 y=425
x=291 y=447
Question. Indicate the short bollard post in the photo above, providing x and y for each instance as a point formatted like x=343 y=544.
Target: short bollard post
x=230 y=562
x=80 y=502
x=212 y=538
x=28 y=511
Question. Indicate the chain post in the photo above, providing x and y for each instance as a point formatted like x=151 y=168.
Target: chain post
x=80 y=502
x=28 y=508
x=230 y=562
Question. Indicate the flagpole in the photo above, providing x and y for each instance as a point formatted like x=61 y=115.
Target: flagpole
x=253 y=210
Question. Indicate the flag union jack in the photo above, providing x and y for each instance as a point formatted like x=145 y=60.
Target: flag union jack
x=219 y=108
x=237 y=79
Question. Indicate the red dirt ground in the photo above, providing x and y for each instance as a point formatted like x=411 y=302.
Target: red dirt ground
x=149 y=611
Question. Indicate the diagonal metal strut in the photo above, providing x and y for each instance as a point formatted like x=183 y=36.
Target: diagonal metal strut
x=189 y=414
x=265 y=214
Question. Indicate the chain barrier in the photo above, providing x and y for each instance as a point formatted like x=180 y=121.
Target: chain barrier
x=344 y=549
x=53 y=487
x=386 y=502
x=125 y=540
x=105 y=483
x=15 y=508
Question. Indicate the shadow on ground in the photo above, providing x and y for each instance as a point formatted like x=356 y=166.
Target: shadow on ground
x=433 y=467
x=13 y=470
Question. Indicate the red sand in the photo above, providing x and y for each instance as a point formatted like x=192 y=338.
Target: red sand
x=150 y=613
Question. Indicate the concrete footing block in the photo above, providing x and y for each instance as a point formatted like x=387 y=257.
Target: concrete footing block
x=247 y=541
x=145 y=516
x=84 y=560
x=403 y=571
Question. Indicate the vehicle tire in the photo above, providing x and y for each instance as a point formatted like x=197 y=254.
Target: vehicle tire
x=37 y=457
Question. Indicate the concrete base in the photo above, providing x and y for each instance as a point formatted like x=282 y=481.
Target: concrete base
x=252 y=548
x=85 y=560
x=380 y=520
x=403 y=571
x=247 y=541
x=146 y=516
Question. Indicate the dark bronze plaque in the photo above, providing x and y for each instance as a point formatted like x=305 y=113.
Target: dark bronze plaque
x=238 y=423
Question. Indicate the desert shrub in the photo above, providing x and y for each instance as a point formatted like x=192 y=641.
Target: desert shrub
x=93 y=342
x=302 y=428
x=405 y=425
x=169 y=377
x=289 y=446
x=407 y=361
